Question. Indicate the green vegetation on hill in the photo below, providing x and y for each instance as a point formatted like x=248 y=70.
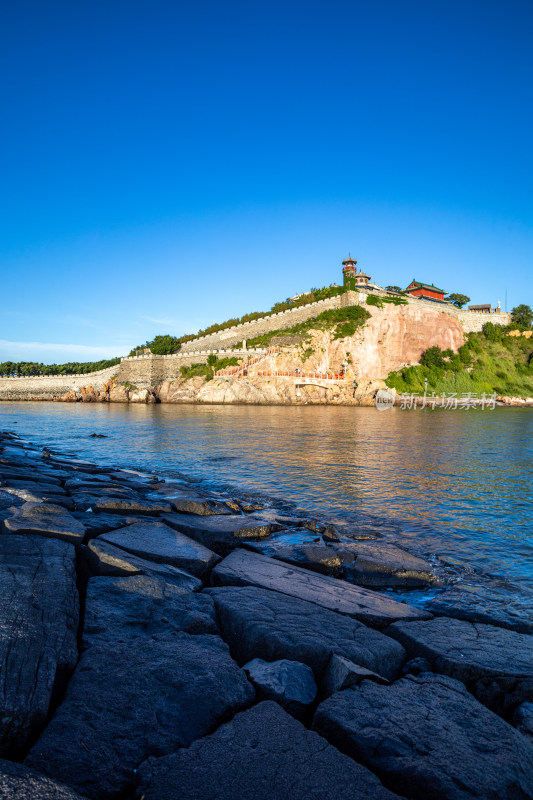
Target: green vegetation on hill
x=490 y=361
x=10 y=369
x=208 y=370
x=376 y=300
x=163 y=345
x=342 y=321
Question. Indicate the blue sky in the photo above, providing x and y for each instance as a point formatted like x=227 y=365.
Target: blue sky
x=166 y=165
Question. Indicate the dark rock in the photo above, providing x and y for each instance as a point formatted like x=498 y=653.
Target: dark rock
x=18 y=782
x=258 y=623
x=262 y=754
x=133 y=507
x=188 y=502
x=39 y=487
x=523 y=719
x=289 y=683
x=494 y=663
x=98 y=436
x=156 y=541
x=96 y=524
x=125 y=703
x=428 y=739
x=380 y=564
x=341 y=673
x=30 y=495
x=415 y=666
x=45 y=519
x=478 y=605
x=339 y=531
x=120 y=609
x=301 y=549
x=38 y=628
x=220 y=533
x=243 y=568
x=107 y=560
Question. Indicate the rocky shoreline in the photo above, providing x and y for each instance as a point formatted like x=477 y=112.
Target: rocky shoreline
x=159 y=641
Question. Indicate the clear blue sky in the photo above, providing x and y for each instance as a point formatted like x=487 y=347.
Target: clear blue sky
x=165 y=165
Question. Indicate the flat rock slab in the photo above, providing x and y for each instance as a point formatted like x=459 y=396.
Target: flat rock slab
x=496 y=664
x=289 y=683
x=243 y=568
x=18 y=782
x=45 y=519
x=108 y=560
x=313 y=555
x=190 y=502
x=96 y=524
x=262 y=754
x=38 y=628
x=221 y=533
x=122 y=609
x=258 y=623
x=156 y=541
x=125 y=703
x=427 y=737
x=381 y=565
x=132 y=507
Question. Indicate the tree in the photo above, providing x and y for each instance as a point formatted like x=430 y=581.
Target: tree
x=163 y=345
x=458 y=300
x=394 y=289
x=522 y=315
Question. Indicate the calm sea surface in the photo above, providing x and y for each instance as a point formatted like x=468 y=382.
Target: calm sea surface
x=452 y=484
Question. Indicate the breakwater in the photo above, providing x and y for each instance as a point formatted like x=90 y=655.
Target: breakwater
x=183 y=639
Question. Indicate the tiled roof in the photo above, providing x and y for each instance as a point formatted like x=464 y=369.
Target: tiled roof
x=420 y=285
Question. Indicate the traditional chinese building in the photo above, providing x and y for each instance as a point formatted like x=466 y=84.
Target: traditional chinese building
x=352 y=278
x=426 y=291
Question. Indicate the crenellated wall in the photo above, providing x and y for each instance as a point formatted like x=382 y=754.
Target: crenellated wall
x=50 y=387
x=147 y=371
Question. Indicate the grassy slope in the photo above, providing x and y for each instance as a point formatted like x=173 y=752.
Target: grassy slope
x=486 y=363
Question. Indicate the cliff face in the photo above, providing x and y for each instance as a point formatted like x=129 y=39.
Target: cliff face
x=392 y=338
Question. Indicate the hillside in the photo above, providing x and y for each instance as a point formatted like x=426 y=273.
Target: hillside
x=497 y=360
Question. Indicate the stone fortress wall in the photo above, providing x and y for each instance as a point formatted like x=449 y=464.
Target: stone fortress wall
x=146 y=371
x=50 y=387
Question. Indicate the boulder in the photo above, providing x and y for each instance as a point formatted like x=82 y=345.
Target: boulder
x=258 y=623
x=155 y=541
x=141 y=396
x=262 y=754
x=119 y=394
x=108 y=560
x=121 y=609
x=18 y=782
x=134 y=507
x=96 y=524
x=243 y=568
x=341 y=673
x=494 y=663
x=126 y=702
x=313 y=555
x=523 y=719
x=380 y=564
x=289 y=683
x=45 y=519
x=427 y=738
x=38 y=624
x=195 y=503
x=220 y=533
x=479 y=604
